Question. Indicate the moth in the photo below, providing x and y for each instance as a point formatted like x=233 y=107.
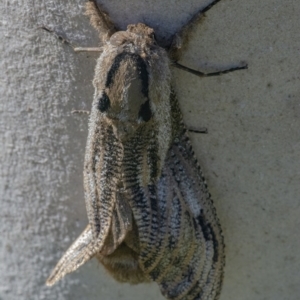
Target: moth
x=151 y=217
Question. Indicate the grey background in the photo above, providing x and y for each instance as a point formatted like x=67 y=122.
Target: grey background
x=250 y=156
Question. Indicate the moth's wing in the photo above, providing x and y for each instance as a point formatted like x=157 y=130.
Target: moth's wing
x=121 y=224
x=82 y=250
x=184 y=254
x=85 y=247
x=203 y=271
x=103 y=160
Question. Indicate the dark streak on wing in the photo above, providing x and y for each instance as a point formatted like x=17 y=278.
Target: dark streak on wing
x=208 y=234
x=94 y=215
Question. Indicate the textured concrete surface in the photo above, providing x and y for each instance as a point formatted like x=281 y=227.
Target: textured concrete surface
x=250 y=156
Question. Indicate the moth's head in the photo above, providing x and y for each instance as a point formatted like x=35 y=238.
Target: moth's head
x=138 y=36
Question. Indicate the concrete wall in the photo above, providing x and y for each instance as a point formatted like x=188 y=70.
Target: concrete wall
x=250 y=156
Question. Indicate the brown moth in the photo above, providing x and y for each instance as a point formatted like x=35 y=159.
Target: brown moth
x=150 y=214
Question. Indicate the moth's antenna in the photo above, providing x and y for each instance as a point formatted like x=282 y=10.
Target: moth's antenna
x=100 y=20
x=201 y=74
x=67 y=42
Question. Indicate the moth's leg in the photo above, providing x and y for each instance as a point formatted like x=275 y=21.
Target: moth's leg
x=58 y=36
x=201 y=74
x=88 y=49
x=200 y=130
x=180 y=39
x=100 y=20
x=67 y=42
x=83 y=112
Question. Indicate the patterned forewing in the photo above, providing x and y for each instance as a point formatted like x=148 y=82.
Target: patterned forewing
x=189 y=261
x=101 y=175
x=181 y=241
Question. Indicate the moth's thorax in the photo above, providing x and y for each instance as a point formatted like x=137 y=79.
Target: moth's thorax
x=138 y=38
x=132 y=85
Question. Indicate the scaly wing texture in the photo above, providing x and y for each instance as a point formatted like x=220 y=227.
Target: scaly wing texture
x=121 y=225
x=180 y=237
x=181 y=244
x=103 y=160
x=82 y=250
x=196 y=270
x=86 y=247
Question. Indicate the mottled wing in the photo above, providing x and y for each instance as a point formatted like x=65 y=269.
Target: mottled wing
x=121 y=225
x=82 y=250
x=103 y=161
x=180 y=237
x=194 y=247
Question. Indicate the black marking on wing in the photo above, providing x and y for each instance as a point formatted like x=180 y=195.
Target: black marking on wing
x=153 y=159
